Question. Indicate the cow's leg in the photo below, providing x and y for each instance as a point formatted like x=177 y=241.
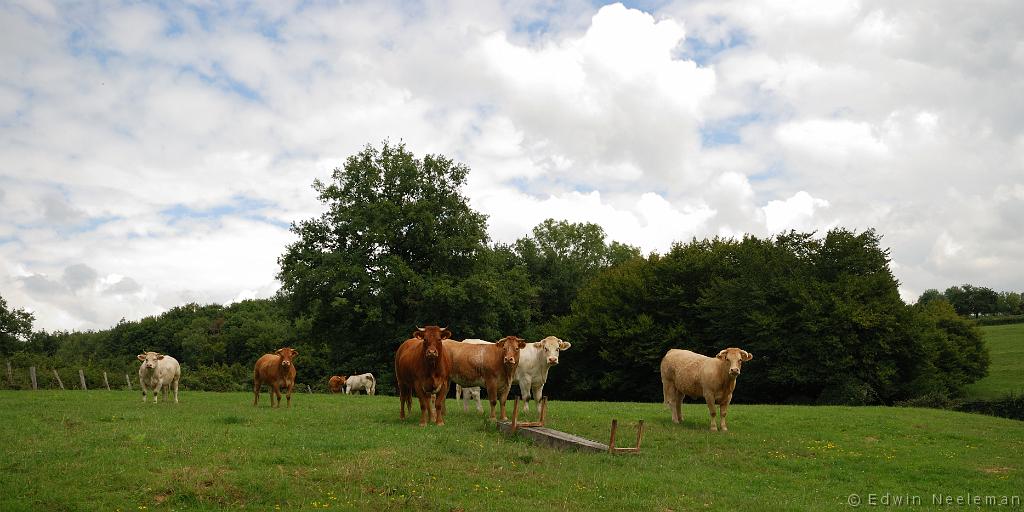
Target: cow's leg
x=725 y=410
x=423 y=407
x=668 y=395
x=538 y=394
x=524 y=389
x=492 y=396
x=459 y=397
x=142 y=386
x=290 y=387
x=256 y=392
x=176 y=381
x=439 y=403
x=159 y=387
x=673 y=400
x=504 y=398
x=275 y=392
x=476 y=396
x=402 y=396
x=710 y=399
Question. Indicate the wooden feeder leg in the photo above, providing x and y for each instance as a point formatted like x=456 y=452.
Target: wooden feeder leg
x=611 y=443
x=639 y=434
x=543 y=409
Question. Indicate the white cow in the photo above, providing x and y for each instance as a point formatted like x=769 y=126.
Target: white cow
x=534 y=362
x=466 y=395
x=158 y=372
x=364 y=382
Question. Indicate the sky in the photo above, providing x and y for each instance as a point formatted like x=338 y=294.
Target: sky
x=155 y=154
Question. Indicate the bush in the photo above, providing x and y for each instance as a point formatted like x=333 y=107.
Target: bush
x=1000 y=320
x=218 y=377
x=1009 y=406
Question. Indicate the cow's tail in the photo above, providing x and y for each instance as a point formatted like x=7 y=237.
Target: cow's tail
x=373 y=385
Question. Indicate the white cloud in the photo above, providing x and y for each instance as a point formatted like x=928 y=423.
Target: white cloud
x=153 y=156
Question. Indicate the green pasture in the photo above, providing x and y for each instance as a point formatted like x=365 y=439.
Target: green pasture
x=105 y=450
x=1006 y=372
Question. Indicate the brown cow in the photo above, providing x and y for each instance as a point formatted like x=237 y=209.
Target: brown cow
x=275 y=370
x=422 y=367
x=337 y=382
x=492 y=365
x=685 y=373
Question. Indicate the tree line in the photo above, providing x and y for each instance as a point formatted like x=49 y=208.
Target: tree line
x=399 y=246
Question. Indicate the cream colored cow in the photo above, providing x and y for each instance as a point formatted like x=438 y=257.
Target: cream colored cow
x=158 y=372
x=689 y=374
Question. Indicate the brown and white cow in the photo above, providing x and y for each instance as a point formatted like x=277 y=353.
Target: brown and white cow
x=422 y=367
x=337 y=383
x=277 y=371
x=363 y=382
x=534 y=363
x=469 y=394
x=688 y=374
x=158 y=372
x=492 y=365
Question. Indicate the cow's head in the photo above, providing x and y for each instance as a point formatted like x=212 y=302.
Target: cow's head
x=550 y=347
x=149 y=359
x=510 y=346
x=286 y=354
x=735 y=357
x=432 y=336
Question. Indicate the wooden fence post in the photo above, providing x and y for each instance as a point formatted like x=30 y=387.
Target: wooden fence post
x=129 y=381
x=81 y=377
x=32 y=373
x=10 y=374
x=309 y=389
x=105 y=383
x=57 y=376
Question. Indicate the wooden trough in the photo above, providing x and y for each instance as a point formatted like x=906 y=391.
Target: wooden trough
x=551 y=438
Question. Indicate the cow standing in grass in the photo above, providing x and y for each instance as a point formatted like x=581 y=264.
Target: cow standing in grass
x=688 y=374
x=468 y=394
x=363 y=382
x=337 y=383
x=534 y=363
x=422 y=367
x=277 y=371
x=158 y=372
x=492 y=365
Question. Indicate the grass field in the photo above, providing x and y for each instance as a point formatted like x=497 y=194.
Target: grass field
x=100 y=450
x=1006 y=373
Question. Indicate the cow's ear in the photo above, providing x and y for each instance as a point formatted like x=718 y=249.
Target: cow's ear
x=564 y=345
x=295 y=352
x=521 y=342
x=721 y=355
x=160 y=356
x=445 y=333
x=746 y=356
x=418 y=333
x=538 y=344
x=278 y=351
x=501 y=342
x=142 y=357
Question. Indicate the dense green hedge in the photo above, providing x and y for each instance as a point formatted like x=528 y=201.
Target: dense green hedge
x=1009 y=406
x=999 y=320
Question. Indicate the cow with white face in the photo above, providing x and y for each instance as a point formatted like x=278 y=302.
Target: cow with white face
x=534 y=362
x=158 y=372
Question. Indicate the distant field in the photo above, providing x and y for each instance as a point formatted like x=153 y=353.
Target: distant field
x=1006 y=373
x=105 y=450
